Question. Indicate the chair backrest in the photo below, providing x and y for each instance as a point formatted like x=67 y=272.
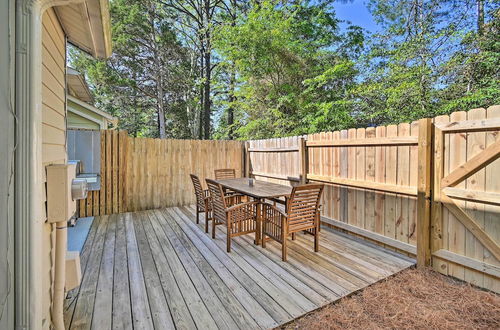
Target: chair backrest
x=218 y=203
x=304 y=204
x=198 y=191
x=225 y=173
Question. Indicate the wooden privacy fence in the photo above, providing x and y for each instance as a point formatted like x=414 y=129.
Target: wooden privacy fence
x=158 y=170
x=142 y=173
x=280 y=160
x=111 y=197
x=383 y=181
x=371 y=184
x=465 y=226
x=430 y=188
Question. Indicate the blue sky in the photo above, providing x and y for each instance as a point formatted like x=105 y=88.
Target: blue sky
x=356 y=12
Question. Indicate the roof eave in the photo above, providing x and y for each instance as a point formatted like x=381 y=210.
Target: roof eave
x=95 y=20
x=92 y=108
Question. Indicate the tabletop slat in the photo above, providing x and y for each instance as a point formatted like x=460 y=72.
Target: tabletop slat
x=260 y=189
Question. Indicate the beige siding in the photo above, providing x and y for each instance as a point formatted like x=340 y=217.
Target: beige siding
x=53 y=130
x=78 y=122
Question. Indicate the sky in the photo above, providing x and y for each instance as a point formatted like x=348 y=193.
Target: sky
x=356 y=12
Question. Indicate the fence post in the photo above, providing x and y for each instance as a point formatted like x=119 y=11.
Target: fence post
x=424 y=192
x=246 y=153
x=303 y=160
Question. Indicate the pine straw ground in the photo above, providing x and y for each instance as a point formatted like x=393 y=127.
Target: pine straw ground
x=412 y=299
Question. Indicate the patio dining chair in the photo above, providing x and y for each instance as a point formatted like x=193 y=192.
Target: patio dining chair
x=225 y=173
x=239 y=219
x=203 y=204
x=302 y=214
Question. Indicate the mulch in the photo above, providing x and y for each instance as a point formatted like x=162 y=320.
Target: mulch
x=412 y=299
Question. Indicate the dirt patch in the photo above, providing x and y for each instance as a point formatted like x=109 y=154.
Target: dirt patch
x=412 y=299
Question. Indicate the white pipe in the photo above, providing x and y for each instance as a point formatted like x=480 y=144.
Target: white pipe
x=28 y=159
x=60 y=275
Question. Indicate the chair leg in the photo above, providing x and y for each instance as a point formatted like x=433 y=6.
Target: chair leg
x=316 y=239
x=228 y=237
x=207 y=220
x=284 y=237
x=293 y=236
x=319 y=221
x=263 y=238
x=213 y=228
x=197 y=216
x=283 y=249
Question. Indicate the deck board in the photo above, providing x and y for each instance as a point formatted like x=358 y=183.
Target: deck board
x=159 y=269
x=179 y=310
x=122 y=318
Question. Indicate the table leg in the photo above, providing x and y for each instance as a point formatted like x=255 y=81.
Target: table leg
x=258 y=231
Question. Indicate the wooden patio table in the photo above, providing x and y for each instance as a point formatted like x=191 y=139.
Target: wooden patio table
x=260 y=191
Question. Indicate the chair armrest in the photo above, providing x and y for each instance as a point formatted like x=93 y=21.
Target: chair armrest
x=207 y=197
x=242 y=212
x=233 y=195
x=241 y=206
x=233 y=199
x=274 y=208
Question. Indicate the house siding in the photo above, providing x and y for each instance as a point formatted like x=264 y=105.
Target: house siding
x=78 y=122
x=53 y=135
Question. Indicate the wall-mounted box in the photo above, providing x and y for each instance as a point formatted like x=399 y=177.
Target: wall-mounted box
x=73 y=270
x=60 y=204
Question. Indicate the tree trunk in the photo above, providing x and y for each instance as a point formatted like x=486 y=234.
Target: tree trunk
x=202 y=89
x=159 y=79
x=208 y=68
x=232 y=99
x=206 y=107
x=232 y=80
x=480 y=17
x=161 y=111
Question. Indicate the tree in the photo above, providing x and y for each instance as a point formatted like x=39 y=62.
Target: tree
x=258 y=69
x=196 y=20
x=149 y=69
x=472 y=74
x=412 y=63
x=288 y=63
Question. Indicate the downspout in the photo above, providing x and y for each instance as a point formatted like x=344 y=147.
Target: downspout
x=29 y=220
x=60 y=275
x=28 y=165
x=57 y=312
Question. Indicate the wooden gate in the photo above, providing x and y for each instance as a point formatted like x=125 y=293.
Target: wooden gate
x=466 y=197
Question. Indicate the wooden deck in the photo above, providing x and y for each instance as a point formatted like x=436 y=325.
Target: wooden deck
x=158 y=269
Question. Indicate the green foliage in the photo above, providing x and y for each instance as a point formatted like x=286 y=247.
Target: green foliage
x=473 y=72
x=281 y=68
x=148 y=72
x=421 y=65
x=290 y=78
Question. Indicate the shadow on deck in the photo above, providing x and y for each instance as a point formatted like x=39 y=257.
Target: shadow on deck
x=158 y=269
